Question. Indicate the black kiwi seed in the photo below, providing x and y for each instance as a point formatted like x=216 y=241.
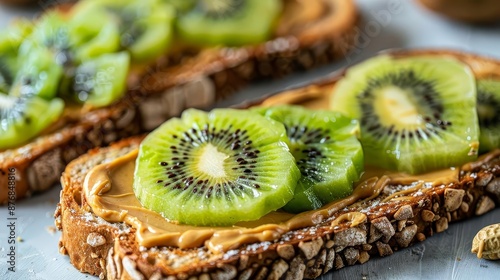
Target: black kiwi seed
x=81 y=84
x=6 y=76
x=129 y=29
x=59 y=44
x=64 y=58
x=233 y=142
x=307 y=157
x=130 y=33
x=485 y=97
x=424 y=93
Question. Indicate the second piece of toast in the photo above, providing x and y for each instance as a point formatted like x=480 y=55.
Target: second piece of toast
x=184 y=79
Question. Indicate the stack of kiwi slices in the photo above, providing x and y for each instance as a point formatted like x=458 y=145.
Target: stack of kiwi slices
x=227 y=166
x=419 y=113
x=81 y=57
x=20 y=114
x=326 y=150
x=414 y=114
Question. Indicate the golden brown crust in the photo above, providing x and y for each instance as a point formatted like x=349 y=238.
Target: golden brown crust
x=482 y=66
x=304 y=253
x=486 y=11
x=18 y=2
x=172 y=84
x=97 y=247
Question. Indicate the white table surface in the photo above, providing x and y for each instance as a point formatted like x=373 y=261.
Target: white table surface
x=443 y=256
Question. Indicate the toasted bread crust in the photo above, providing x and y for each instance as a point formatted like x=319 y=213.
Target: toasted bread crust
x=468 y=11
x=110 y=250
x=304 y=253
x=170 y=86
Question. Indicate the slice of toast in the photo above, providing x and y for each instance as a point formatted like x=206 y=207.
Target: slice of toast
x=395 y=217
x=183 y=79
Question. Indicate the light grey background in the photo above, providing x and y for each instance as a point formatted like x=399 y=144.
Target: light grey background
x=406 y=25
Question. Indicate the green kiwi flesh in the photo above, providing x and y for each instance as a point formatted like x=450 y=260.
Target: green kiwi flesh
x=158 y=34
x=488 y=110
x=146 y=27
x=100 y=81
x=85 y=34
x=181 y=5
x=7 y=66
x=10 y=41
x=12 y=37
x=22 y=118
x=229 y=22
x=57 y=47
x=416 y=114
x=216 y=168
x=93 y=32
x=52 y=33
x=326 y=150
x=38 y=75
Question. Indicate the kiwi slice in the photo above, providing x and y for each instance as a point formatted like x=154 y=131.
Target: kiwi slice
x=51 y=32
x=93 y=32
x=98 y=82
x=145 y=26
x=416 y=114
x=12 y=37
x=154 y=34
x=10 y=40
x=229 y=22
x=488 y=110
x=85 y=33
x=43 y=55
x=215 y=169
x=23 y=118
x=38 y=75
x=7 y=68
x=326 y=150
x=181 y=5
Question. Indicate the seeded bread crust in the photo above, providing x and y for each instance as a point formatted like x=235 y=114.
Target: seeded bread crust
x=172 y=84
x=110 y=251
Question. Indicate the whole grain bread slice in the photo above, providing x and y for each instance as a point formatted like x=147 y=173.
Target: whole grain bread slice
x=182 y=79
x=110 y=250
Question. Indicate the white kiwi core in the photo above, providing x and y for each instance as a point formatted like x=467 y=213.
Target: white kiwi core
x=6 y=101
x=211 y=161
x=394 y=106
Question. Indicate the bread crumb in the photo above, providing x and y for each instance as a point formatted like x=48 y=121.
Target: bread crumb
x=95 y=239
x=51 y=229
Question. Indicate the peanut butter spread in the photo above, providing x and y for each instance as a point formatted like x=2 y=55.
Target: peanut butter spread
x=306 y=20
x=108 y=190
